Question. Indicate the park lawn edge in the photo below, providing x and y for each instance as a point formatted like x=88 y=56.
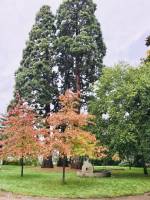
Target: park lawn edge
x=73 y=195
x=54 y=197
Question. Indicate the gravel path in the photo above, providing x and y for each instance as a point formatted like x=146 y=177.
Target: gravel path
x=10 y=196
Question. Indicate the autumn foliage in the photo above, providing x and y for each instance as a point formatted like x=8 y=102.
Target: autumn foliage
x=66 y=132
x=20 y=133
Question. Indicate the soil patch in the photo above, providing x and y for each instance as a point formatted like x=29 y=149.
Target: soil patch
x=10 y=196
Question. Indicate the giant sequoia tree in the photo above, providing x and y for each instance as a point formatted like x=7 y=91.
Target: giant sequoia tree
x=36 y=78
x=67 y=50
x=79 y=45
x=76 y=45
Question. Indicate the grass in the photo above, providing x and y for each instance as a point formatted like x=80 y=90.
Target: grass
x=37 y=182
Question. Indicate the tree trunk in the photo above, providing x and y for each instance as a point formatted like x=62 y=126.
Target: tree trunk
x=145 y=170
x=64 y=167
x=78 y=87
x=47 y=110
x=60 y=162
x=47 y=163
x=130 y=164
x=144 y=166
x=22 y=166
x=76 y=162
x=78 y=83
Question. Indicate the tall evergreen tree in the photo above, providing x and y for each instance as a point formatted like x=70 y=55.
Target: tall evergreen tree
x=36 y=79
x=79 y=45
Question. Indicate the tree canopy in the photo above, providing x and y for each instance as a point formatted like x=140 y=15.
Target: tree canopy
x=122 y=109
x=36 y=77
x=79 y=46
x=66 y=134
x=20 y=136
x=63 y=52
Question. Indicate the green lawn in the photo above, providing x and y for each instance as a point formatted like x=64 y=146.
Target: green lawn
x=43 y=183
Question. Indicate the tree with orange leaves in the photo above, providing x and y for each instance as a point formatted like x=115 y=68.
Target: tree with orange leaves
x=66 y=134
x=21 y=136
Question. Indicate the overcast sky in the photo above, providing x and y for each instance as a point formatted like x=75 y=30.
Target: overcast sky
x=124 y=23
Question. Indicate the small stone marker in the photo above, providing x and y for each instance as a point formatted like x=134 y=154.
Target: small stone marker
x=87 y=167
x=88 y=171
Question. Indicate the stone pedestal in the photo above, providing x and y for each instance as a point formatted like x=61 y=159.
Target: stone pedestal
x=88 y=171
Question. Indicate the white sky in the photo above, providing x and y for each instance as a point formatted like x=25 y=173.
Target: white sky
x=124 y=23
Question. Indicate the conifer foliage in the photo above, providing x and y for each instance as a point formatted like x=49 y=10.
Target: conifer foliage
x=79 y=45
x=36 y=78
x=147 y=43
x=62 y=52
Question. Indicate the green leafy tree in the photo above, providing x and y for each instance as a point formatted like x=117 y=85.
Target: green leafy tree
x=122 y=109
x=147 y=43
x=36 y=79
x=79 y=46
